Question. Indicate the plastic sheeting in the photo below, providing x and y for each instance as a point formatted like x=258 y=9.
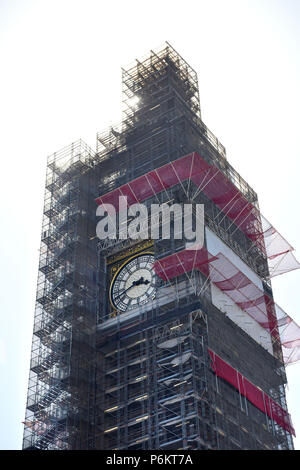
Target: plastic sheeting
x=171 y=343
x=37 y=426
x=181 y=359
x=222 y=191
x=257 y=304
x=250 y=298
x=280 y=253
x=255 y=395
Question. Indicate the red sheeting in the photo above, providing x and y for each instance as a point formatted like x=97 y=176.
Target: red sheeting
x=217 y=187
x=184 y=261
x=243 y=292
x=255 y=395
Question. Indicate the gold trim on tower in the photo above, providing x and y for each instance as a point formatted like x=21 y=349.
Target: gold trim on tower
x=130 y=251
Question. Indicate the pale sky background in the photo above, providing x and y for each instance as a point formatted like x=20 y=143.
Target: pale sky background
x=60 y=80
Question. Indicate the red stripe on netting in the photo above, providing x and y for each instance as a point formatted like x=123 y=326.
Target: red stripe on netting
x=254 y=394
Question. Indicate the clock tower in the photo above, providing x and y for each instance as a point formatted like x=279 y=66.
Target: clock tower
x=160 y=316
x=147 y=343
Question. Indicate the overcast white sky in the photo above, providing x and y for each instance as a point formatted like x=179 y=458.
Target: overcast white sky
x=61 y=80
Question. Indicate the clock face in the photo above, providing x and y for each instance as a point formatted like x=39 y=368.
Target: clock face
x=134 y=283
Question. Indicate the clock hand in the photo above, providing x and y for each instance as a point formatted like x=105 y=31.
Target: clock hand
x=142 y=281
x=124 y=291
x=135 y=283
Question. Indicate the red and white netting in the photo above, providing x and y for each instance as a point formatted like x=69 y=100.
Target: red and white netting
x=211 y=181
x=241 y=290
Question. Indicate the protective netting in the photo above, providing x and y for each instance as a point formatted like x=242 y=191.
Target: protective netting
x=254 y=394
x=218 y=188
x=183 y=262
x=279 y=252
x=244 y=293
x=257 y=304
x=227 y=277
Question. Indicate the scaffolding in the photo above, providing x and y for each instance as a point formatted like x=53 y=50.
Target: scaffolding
x=226 y=196
x=158 y=388
x=184 y=278
x=153 y=377
x=61 y=365
x=171 y=156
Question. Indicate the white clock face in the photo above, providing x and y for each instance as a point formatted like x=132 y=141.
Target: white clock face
x=134 y=283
